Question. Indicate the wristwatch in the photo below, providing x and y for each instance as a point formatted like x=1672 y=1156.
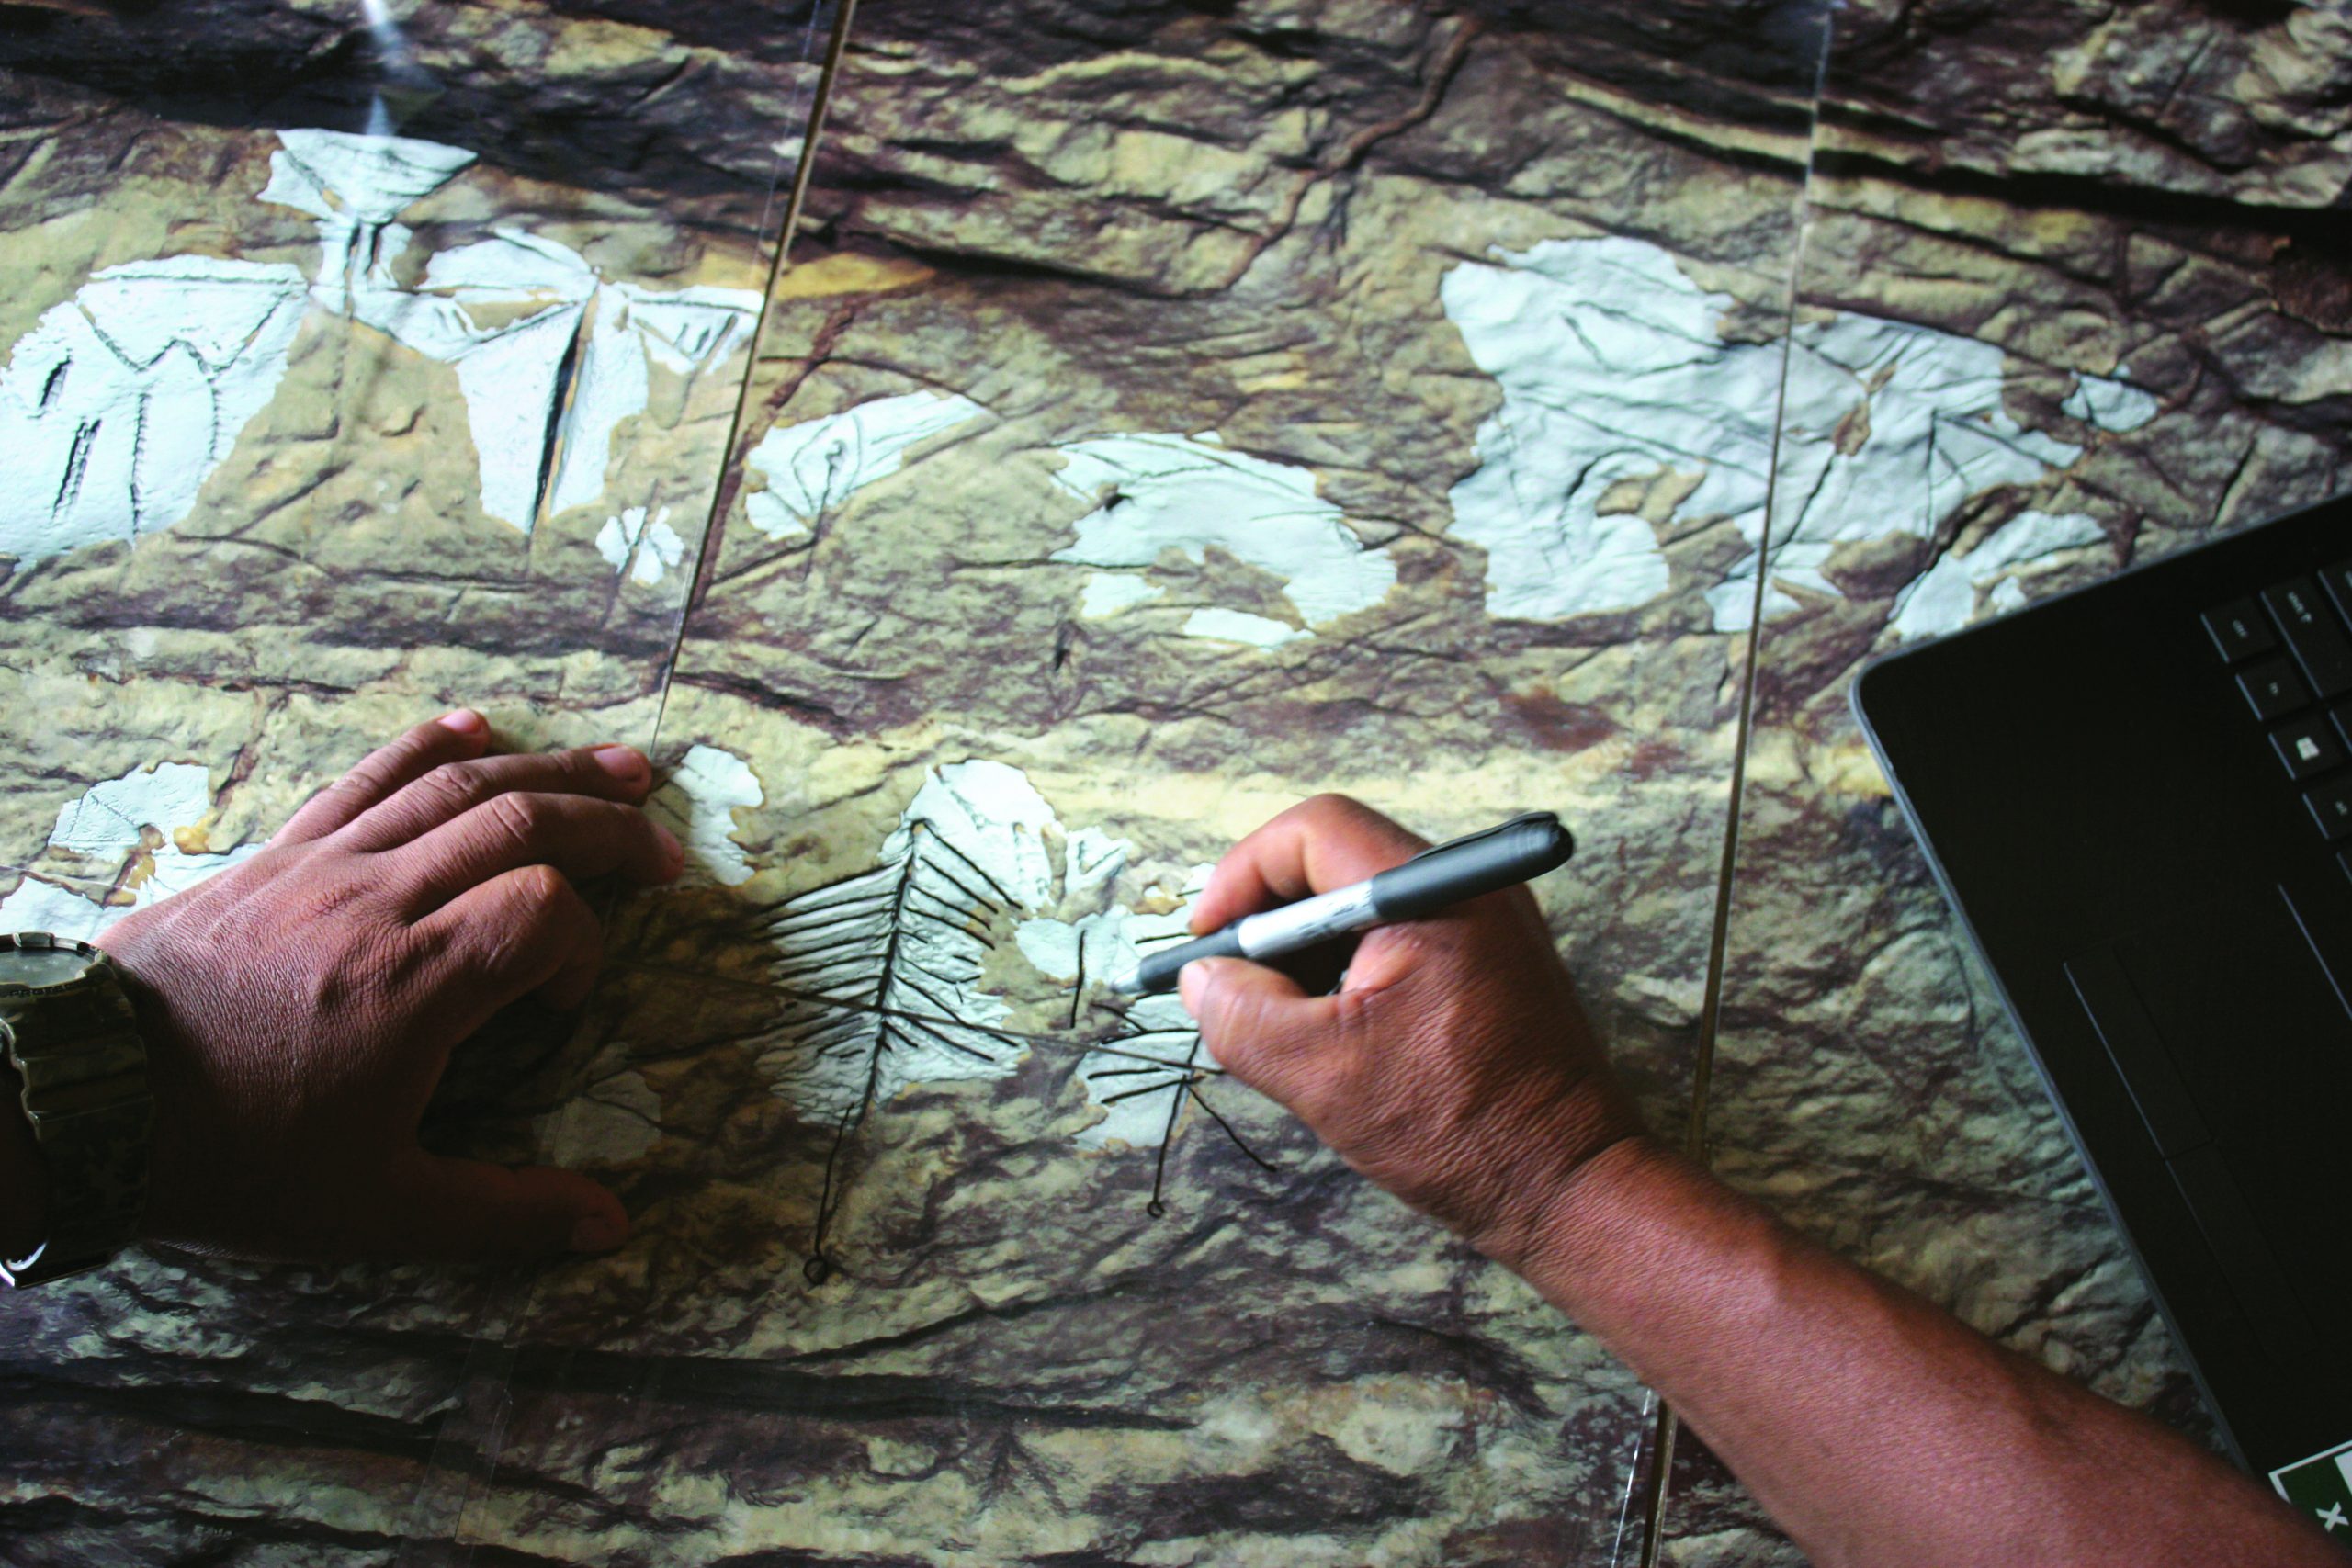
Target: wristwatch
x=70 y=1032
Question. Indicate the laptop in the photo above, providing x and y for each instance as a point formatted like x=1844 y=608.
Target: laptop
x=2137 y=796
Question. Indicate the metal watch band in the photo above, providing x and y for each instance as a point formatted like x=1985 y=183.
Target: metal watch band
x=82 y=1069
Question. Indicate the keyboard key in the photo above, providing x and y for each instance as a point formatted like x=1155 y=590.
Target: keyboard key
x=2331 y=807
x=2338 y=580
x=2314 y=634
x=2238 y=630
x=2273 y=688
x=2307 y=746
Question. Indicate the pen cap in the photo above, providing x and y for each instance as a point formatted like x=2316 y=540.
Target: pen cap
x=1520 y=849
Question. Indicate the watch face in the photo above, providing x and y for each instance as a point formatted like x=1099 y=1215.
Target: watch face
x=40 y=966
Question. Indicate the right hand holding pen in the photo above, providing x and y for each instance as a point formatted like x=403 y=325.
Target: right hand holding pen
x=1453 y=1067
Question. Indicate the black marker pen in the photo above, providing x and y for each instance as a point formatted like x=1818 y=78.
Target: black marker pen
x=1517 y=851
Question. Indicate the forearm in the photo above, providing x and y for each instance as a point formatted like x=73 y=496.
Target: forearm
x=1874 y=1428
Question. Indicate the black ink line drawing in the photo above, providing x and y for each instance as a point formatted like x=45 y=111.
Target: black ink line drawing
x=883 y=973
x=821 y=1003
x=908 y=939
x=1179 y=1079
x=866 y=1028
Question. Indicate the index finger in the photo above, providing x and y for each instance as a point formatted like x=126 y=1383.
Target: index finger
x=582 y=839
x=452 y=738
x=1320 y=844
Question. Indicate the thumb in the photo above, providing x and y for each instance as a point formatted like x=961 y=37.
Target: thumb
x=1256 y=1021
x=467 y=1207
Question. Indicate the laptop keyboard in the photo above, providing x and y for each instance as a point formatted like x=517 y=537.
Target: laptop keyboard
x=2290 y=650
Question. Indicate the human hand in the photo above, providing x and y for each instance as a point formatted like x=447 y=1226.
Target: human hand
x=299 y=1007
x=1453 y=1067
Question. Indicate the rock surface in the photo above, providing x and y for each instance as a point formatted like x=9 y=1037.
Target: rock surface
x=1008 y=1352
x=1036 y=360
x=2239 y=102
x=1169 y=413
x=337 y=577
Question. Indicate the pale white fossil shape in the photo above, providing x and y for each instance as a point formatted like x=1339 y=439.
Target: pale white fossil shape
x=546 y=350
x=103 y=832
x=904 y=944
x=812 y=467
x=120 y=403
x=1191 y=493
x=1613 y=368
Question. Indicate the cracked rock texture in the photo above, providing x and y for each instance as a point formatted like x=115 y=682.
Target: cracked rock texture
x=336 y=579
x=1041 y=234
x=678 y=106
x=1091 y=223
x=1170 y=225
x=340 y=543
x=2239 y=100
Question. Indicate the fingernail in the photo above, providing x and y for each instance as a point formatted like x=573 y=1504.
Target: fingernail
x=626 y=764
x=599 y=1233
x=676 y=851
x=465 y=721
x=1190 y=981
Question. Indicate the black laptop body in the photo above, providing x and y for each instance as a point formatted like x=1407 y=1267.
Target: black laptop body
x=2139 y=798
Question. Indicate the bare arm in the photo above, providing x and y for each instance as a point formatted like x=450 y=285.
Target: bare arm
x=1456 y=1069
x=1874 y=1426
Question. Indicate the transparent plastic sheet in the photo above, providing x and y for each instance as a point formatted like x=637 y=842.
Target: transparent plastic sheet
x=1354 y=271
x=363 y=361
x=1992 y=399
x=1072 y=475
x=388 y=350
